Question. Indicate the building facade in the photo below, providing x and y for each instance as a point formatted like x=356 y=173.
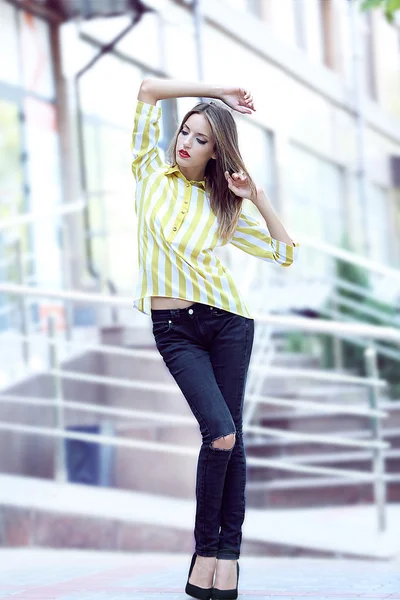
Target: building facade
x=326 y=83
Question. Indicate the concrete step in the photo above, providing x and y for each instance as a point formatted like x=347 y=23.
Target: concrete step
x=312 y=492
x=265 y=446
x=352 y=461
x=295 y=360
x=313 y=422
x=312 y=389
x=44 y=513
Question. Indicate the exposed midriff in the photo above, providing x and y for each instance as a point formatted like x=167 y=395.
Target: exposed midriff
x=163 y=302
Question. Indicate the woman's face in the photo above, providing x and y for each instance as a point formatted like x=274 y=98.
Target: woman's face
x=196 y=141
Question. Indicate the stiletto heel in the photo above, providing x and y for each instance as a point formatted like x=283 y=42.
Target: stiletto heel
x=217 y=594
x=194 y=590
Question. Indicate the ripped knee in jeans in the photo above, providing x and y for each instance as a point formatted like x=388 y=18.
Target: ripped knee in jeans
x=225 y=442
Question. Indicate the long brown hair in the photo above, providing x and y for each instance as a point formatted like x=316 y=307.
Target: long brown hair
x=224 y=203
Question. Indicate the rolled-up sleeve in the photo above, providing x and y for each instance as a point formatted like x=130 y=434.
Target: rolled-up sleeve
x=254 y=238
x=145 y=136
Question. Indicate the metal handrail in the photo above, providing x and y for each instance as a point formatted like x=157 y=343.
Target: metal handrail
x=351 y=257
x=315 y=406
x=284 y=321
x=300 y=323
x=380 y=349
x=309 y=483
x=34 y=217
x=126 y=412
x=157 y=416
x=355 y=288
x=177 y=449
x=366 y=310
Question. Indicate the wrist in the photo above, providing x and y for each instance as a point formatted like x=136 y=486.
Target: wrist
x=255 y=197
x=217 y=92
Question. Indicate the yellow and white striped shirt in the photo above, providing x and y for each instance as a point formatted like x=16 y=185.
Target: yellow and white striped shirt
x=177 y=230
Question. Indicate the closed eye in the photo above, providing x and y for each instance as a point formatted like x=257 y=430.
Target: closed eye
x=186 y=133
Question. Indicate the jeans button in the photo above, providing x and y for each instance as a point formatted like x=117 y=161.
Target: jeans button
x=190 y=311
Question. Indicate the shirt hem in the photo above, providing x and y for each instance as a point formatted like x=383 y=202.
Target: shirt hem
x=145 y=302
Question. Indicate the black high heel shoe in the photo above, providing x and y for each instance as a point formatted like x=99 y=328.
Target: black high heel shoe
x=194 y=590
x=217 y=594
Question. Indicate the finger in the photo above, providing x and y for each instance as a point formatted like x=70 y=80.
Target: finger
x=243 y=110
x=228 y=177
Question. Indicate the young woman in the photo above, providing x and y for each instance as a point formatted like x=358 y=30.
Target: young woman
x=186 y=207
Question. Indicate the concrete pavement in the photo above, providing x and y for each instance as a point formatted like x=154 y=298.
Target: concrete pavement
x=44 y=574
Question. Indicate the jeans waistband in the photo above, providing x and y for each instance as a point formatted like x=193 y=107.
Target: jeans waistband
x=176 y=313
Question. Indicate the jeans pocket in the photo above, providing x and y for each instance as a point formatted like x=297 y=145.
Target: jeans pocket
x=218 y=312
x=160 y=327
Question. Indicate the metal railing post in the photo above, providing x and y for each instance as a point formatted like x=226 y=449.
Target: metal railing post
x=19 y=263
x=66 y=253
x=337 y=342
x=60 y=471
x=371 y=366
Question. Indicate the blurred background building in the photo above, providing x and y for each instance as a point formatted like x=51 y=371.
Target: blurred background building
x=325 y=143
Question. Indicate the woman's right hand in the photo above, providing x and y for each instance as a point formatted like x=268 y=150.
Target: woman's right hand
x=239 y=99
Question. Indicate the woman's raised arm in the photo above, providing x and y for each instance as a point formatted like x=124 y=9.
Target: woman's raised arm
x=158 y=89
x=153 y=89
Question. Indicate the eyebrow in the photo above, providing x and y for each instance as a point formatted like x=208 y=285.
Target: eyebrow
x=197 y=132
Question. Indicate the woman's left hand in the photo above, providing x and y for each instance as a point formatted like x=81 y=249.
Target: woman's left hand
x=238 y=183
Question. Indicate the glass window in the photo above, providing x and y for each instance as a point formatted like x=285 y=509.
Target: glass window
x=369 y=63
x=107 y=90
x=396 y=229
x=316 y=193
x=9 y=71
x=240 y=4
x=43 y=165
x=313 y=16
x=37 y=69
x=254 y=7
x=11 y=198
x=299 y=23
x=107 y=133
x=29 y=150
x=256 y=146
x=148 y=28
x=379 y=238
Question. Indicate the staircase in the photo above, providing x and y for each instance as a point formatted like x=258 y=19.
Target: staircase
x=117 y=379
x=273 y=488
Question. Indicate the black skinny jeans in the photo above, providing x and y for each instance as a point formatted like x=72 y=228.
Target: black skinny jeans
x=207 y=350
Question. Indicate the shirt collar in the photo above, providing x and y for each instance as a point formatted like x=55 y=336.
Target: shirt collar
x=176 y=169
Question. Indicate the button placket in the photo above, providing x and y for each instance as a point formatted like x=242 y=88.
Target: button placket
x=181 y=215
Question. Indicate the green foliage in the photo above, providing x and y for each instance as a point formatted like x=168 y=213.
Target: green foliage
x=389 y=7
x=353 y=356
x=297 y=341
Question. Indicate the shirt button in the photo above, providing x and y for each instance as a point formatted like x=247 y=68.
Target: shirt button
x=183 y=212
x=190 y=311
x=187 y=185
x=174 y=228
x=186 y=201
